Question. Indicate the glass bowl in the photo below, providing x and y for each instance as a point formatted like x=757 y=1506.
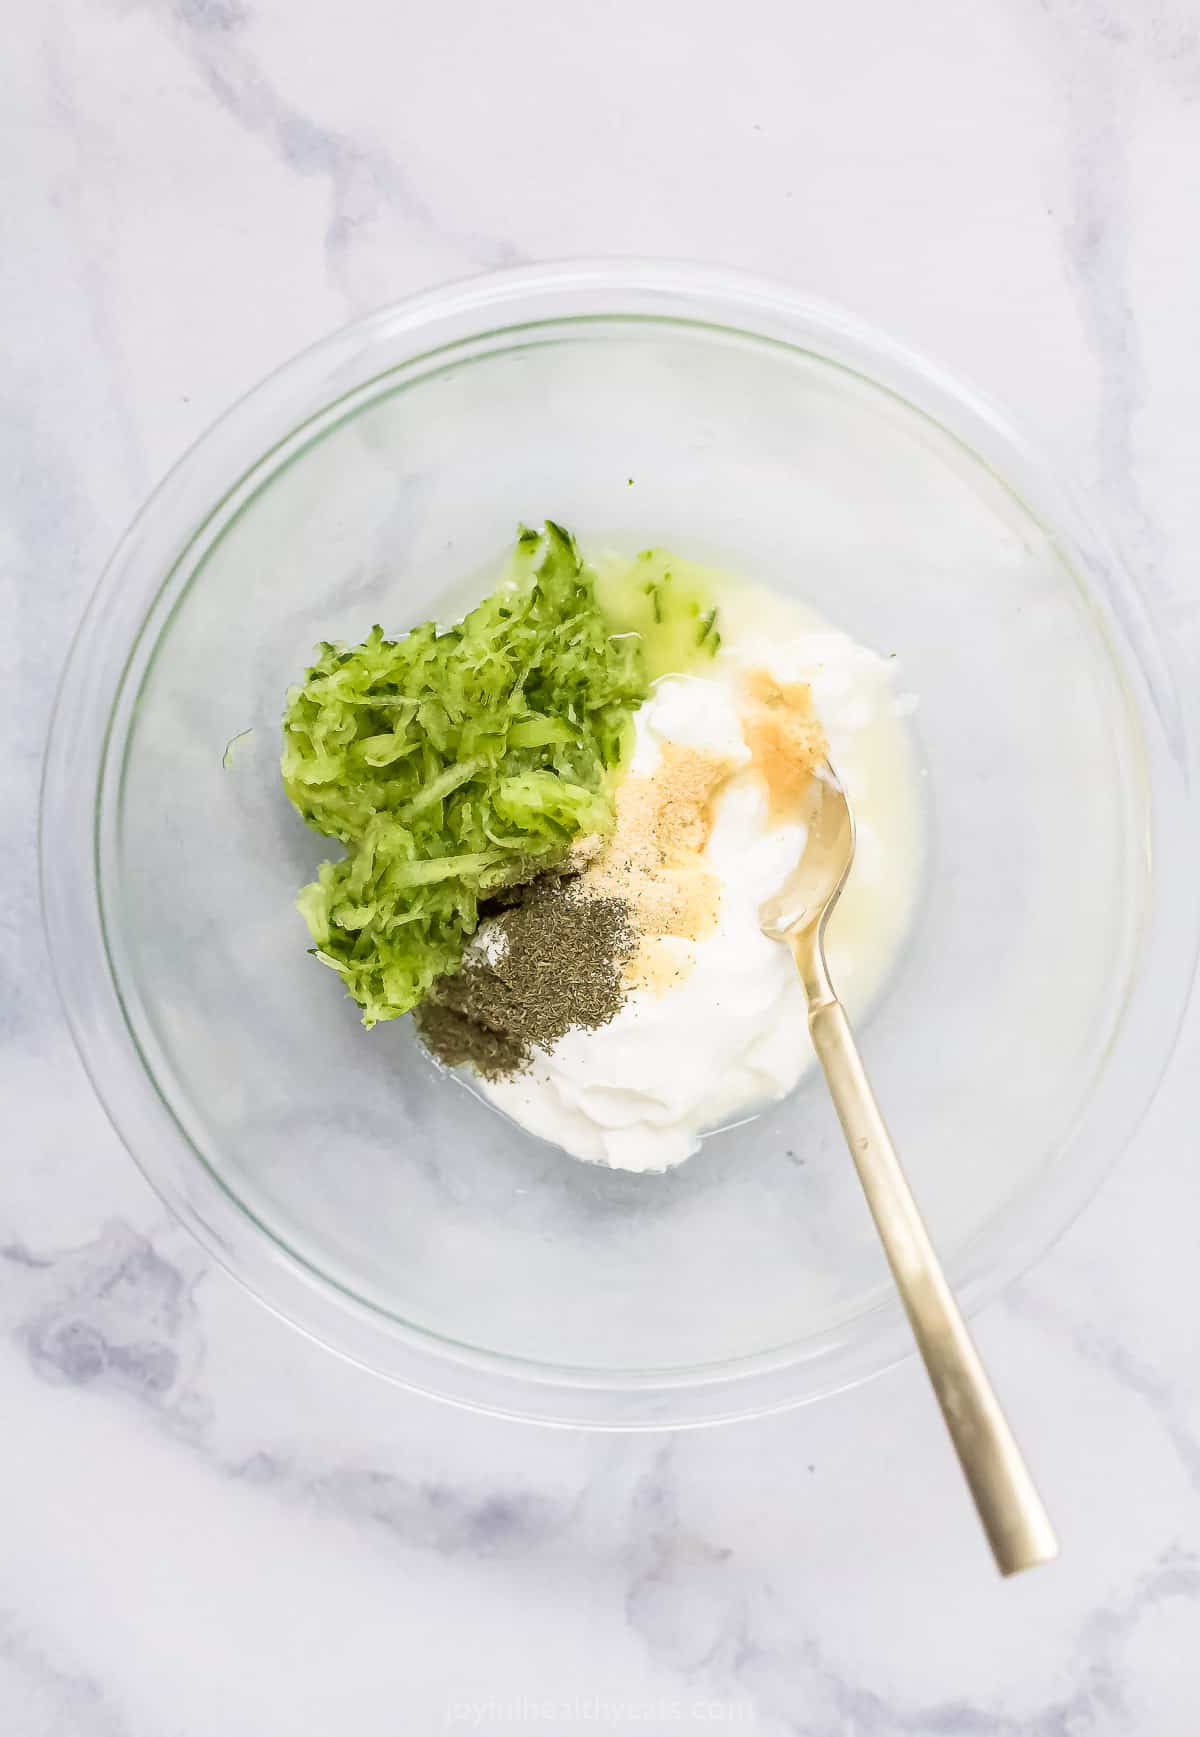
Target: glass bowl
x=380 y=477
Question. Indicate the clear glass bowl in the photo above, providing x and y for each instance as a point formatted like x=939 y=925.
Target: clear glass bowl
x=380 y=477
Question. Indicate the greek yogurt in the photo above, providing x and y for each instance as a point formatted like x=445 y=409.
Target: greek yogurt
x=730 y=1034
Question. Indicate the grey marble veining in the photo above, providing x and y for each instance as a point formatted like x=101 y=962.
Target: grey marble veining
x=365 y=185
x=212 y=1525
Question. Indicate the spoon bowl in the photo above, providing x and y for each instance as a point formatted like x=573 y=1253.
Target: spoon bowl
x=815 y=884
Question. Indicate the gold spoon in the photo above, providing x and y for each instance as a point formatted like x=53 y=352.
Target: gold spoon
x=1016 y=1523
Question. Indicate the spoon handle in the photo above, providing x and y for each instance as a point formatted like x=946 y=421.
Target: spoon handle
x=1016 y=1523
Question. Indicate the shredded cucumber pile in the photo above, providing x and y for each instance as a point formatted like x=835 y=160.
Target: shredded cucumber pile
x=455 y=762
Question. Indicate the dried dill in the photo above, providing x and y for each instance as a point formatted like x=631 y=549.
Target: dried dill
x=554 y=963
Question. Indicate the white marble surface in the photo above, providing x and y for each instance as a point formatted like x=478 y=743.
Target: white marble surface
x=210 y=1526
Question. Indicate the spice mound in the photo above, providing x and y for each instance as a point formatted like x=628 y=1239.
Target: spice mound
x=553 y=962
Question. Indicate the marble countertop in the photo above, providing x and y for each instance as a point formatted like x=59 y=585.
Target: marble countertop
x=212 y=1526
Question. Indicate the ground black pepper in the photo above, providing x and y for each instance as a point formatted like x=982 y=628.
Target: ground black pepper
x=559 y=962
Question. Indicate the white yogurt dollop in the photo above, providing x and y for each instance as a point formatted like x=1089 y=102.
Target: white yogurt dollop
x=732 y=1035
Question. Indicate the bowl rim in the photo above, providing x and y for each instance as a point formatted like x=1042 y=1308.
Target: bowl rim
x=82 y=730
